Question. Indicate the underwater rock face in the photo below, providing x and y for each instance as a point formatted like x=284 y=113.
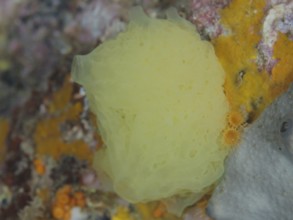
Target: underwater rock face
x=259 y=173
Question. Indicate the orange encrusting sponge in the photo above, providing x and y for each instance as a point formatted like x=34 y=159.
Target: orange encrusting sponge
x=246 y=86
x=66 y=198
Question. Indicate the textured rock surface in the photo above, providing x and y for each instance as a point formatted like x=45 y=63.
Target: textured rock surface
x=259 y=174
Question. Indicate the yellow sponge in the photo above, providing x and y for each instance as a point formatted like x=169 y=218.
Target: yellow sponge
x=156 y=90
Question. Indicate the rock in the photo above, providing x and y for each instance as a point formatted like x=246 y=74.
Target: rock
x=257 y=183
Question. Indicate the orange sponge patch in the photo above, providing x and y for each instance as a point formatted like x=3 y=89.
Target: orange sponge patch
x=245 y=86
x=48 y=137
x=66 y=198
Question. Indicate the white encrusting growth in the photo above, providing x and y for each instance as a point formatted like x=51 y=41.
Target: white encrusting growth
x=259 y=174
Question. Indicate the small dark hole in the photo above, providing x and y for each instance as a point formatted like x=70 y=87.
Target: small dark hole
x=286 y=125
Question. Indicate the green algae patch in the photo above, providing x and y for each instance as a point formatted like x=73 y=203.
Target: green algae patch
x=156 y=90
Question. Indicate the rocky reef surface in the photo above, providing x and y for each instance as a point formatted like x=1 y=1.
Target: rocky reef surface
x=258 y=180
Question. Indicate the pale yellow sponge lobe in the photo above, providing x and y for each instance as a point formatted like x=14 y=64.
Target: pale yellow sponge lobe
x=156 y=90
